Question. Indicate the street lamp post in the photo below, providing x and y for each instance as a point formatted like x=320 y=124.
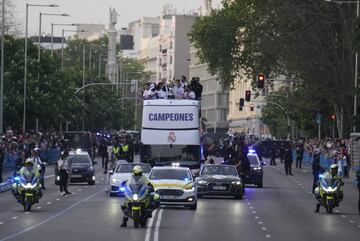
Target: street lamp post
x=52 y=32
x=40 y=21
x=25 y=53
x=2 y=69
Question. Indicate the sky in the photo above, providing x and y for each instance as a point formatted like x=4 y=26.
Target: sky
x=96 y=11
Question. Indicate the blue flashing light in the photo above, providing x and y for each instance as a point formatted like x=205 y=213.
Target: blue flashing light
x=17 y=178
x=321 y=176
x=186 y=179
x=122 y=189
x=252 y=151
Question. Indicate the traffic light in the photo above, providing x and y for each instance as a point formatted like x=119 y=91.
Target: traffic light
x=252 y=107
x=260 y=81
x=248 y=95
x=333 y=117
x=241 y=104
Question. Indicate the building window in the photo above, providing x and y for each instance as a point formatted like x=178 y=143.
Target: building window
x=171 y=59
x=171 y=45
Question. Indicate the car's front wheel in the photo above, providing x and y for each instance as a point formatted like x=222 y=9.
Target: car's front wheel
x=91 y=183
x=193 y=206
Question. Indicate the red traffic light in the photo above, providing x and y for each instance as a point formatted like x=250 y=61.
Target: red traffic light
x=260 y=81
x=333 y=117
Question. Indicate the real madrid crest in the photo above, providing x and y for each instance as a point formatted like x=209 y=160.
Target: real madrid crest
x=172 y=137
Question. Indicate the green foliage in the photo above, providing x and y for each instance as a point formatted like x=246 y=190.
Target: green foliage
x=51 y=91
x=313 y=42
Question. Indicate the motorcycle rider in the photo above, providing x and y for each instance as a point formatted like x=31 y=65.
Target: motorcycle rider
x=334 y=175
x=138 y=178
x=41 y=165
x=28 y=172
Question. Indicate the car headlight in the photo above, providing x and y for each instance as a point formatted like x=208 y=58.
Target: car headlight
x=236 y=183
x=257 y=168
x=202 y=182
x=135 y=197
x=189 y=186
x=115 y=180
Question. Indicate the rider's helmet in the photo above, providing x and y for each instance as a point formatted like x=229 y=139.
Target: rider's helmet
x=29 y=162
x=137 y=171
x=334 y=169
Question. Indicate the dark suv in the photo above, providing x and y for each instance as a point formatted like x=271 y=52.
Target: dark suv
x=256 y=170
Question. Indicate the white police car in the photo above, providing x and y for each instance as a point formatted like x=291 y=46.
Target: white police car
x=123 y=172
x=175 y=185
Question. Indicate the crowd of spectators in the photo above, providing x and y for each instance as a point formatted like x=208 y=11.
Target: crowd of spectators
x=18 y=146
x=336 y=150
x=178 y=89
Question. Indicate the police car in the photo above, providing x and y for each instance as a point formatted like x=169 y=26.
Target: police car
x=123 y=172
x=175 y=185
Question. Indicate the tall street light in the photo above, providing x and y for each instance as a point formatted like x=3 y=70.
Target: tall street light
x=62 y=43
x=25 y=54
x=2 y=69
x=357 y=2
x=52 y=32
x=40 y=21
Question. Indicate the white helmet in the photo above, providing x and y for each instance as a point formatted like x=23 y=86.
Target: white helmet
x=29 y=161
x=137 y=170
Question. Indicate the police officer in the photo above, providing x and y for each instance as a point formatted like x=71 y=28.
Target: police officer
x=272 y=155
x=137 y=178
x=316 y=170
x=288 y=159
x=299 y=156
x=63 y=168
x=40 y=164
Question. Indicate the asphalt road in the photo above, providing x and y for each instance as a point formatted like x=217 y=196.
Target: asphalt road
x=282 y=210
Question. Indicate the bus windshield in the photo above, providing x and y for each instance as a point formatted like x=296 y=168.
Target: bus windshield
x=185 y=155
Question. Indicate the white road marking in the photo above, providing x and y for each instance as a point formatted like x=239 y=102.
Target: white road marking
x=336 y=211
x=260 y=222
x=48 y=203
x=86 y=186
x=351 y=221
x=49 y=176
x=358 y=226
x=256 y=217
x=1 y=223
x=249 y=203
x=263 y=228
x=57 y=199
x=253 y=212
x=14 y=218
x=251 y=208
x=38 y=208
x=157 y=226
x=268 y=236
x=51 y=218
x=102 y=179
x=80 y=190
x=26 y=213
x=149 y=226
x=344 y=216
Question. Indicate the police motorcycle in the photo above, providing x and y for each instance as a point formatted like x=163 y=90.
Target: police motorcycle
x=328 y=193
x=26 y=190
x=140 y=202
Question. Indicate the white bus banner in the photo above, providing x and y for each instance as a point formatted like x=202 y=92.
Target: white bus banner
x=170 y=118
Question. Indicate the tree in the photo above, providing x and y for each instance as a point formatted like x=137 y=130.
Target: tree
x=312 y=42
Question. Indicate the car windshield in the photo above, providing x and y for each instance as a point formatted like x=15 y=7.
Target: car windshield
x=172 y=174
x=187 y=155
x=127 y=168
x=79 y=159
x=219 y=170
x=253 y=159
